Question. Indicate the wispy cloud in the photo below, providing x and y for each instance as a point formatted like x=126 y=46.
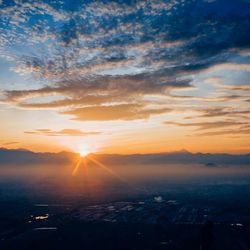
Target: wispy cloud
x=10 y=143
x=206 y=125
x=103 y=96
x=115 y=112
x=215 y=112
x=63 y=132
x=243 y=132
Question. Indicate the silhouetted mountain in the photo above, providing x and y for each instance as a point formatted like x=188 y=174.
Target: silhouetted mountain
x=20 y=156
x=183 y=157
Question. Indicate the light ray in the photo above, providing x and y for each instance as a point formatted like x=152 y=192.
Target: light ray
x=130 y=185
x=106 y=169
x=77 y=166
x=83 y=160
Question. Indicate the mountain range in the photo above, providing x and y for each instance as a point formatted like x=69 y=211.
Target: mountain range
x=22 y=156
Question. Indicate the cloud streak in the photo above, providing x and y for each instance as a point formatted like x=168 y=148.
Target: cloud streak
x=242 y=132
x=115 y=112
x=10 y=143
x=63 y=132
x=206 y=125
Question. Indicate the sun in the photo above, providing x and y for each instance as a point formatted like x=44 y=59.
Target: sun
x=83 y=150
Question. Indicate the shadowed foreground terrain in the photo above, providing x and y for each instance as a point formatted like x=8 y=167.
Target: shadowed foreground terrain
x=143 y=223
x=138 y=205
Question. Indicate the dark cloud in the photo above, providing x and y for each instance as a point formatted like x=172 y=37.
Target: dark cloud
x=139 y=84
x=86 y=94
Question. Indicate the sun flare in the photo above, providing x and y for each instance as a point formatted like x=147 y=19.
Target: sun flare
x=84 y=150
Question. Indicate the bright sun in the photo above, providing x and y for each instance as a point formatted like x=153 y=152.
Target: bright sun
x=83 y=150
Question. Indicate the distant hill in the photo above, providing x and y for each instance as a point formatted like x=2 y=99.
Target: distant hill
x=183 y=157
x=21 y=156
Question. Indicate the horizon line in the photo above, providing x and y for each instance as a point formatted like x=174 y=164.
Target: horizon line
x=120 y=154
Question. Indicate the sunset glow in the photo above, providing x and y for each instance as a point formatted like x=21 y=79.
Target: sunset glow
x=124 y=124
x=84 y=150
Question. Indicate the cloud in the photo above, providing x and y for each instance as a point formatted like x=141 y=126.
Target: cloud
x=122 y=86
x=88 y=98
x=114 y=112
x=63 y=132
x=222 y=98
x=10 y=143
x=206 y=125
x=243 y=132
x=239 y=87
x=229 y=67
x=236 y=127
x=215 y=112
x=100 y=56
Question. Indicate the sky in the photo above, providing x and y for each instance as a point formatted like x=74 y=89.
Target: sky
x=125 y=76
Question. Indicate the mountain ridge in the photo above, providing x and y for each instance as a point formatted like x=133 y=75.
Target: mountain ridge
x=23 y=156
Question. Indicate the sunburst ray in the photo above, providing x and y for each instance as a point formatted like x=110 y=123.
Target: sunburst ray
x=106 y=168
x=77 y=166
